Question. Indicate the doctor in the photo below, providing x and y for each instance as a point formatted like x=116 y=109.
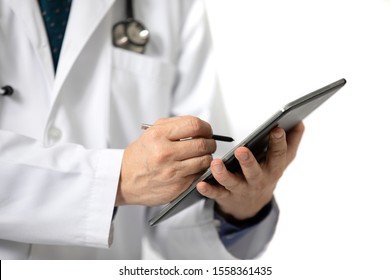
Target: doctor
x=71 y=147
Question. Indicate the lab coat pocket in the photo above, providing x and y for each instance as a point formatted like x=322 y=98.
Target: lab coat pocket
x=141 y=92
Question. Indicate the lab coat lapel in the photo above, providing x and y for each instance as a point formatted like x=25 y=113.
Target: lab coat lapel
x=29 y=14
x=84 y=18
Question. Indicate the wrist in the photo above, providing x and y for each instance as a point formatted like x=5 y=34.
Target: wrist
x=246 y=222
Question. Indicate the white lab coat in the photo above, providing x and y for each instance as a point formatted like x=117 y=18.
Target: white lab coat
x=62 y=136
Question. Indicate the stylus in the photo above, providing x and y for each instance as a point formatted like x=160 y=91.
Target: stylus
x=215 y=136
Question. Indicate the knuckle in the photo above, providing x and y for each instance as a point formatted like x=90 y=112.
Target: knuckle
x=213 y=146
x=162 y=156
x=201 y=164
x=201 y=146
x=278 y=153
x=195 y=123
x=205 y=161
x=155 y=133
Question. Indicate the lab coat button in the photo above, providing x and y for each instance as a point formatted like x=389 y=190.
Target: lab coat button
x=55 y=134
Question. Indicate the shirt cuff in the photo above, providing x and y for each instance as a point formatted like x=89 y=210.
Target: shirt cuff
x=231 y=230
x=102 y=198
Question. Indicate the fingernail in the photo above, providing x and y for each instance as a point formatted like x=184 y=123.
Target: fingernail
x=243 y=156
x=278 y=133
x=217 y=167
x=201 y=188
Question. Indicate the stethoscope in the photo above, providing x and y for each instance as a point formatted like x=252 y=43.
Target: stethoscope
x=6 y=90
x=129 y=34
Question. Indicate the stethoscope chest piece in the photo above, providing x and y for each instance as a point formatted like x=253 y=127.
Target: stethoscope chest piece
x=130 y=35
x=6 y=90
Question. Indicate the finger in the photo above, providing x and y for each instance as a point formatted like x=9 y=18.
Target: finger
x=294 y=138
x=249 y=165
x=185 y=127
x=183 y=173
x=212 y=191
x=223 y=176
x=277 y=152
x=194 y=165
x=194 y=148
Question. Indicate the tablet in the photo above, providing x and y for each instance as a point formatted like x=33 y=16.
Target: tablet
x=257 y=142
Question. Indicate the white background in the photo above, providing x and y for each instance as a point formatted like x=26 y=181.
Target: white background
x=334 y=199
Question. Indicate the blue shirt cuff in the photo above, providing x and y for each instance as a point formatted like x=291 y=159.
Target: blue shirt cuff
x=231 y=230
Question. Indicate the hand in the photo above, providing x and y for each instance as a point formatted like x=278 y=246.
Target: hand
x=159 y=166
x=243 y=195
